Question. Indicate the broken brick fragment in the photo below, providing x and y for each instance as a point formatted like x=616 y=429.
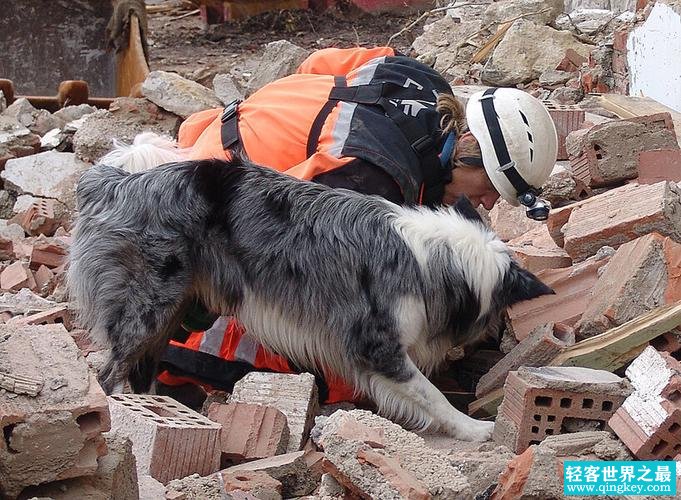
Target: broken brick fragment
x=643 y=274
x=17 y=276
x=649 y=420
x=250 y=431
x=567 y=118
x=536 y=251
x=621 y=215
x=539 y=348
x=659 y=165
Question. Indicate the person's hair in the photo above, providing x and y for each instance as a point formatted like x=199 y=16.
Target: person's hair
x=453 y=119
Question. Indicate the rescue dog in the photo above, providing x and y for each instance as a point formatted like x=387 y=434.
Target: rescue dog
x=336 y=281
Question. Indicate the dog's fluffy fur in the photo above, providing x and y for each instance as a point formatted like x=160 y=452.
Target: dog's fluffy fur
x=335 y=281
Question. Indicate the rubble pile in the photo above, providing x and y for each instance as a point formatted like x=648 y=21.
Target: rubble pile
x=590 y=373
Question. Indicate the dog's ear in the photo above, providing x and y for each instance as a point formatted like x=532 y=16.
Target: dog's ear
x=520 y=284
x=465 y=209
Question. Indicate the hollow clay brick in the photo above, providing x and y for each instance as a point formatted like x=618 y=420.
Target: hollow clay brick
x=567 y=118
x=540 y=402
x=169 y=440
x=659 y=165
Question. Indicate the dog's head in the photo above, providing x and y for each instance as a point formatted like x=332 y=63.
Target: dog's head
x=517 y=284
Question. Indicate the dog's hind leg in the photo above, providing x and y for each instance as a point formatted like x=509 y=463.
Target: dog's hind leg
x=417 y=401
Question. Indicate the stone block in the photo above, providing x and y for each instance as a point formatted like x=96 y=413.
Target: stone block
x=545 y=401
x=53 y=416
x=178 y=95
x=649 y=420
x=509 y=222
x=642 y=275
x=258 y=483
x=249 y=431
x=607 y=154
x=169 y=440
x=537 y=349
x=281 y=58
x=16 y=140
x=562 y=188
x=294 y=395
x=621 y=215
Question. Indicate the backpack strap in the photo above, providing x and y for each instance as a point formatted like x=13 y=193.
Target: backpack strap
x=318 y=123
x=435 y=175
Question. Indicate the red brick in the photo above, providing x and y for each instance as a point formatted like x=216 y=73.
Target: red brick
x=536 y=251
x=250 y=431
x=17 y=276
x=572 y=61
x=540 y=402
x=399 y=479
x=649 y=421
x=40 y=218
x=572 y=286
x=6 y=249
x=512 y=481
x=294 y=395
x=84 y=342
x=659 y=165
x=53 y=425
x=169 y=440
x=537 y=349
x=621 y=215
x=607 y=154
x=669 y=342
x=619 y=39
x=50 y=255
x=567 y=119
x=642 y=275
x=619 y=63
x=55 y=315
x=44 y=279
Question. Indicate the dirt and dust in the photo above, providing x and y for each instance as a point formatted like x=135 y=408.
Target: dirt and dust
x=184 y=45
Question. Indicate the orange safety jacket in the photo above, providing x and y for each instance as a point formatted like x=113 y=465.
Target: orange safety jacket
x=314 y=126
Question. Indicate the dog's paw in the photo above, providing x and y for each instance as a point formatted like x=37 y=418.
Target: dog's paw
x=477 y=431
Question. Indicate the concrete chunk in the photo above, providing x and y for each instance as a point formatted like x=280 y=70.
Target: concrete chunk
x=178 y=95
x=55 y=431
x=281 y=58
x=407 y=456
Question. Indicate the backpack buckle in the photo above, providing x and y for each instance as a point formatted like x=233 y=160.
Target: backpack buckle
x=230 y=110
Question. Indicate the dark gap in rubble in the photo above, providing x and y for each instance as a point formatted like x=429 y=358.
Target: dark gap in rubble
x=674 y=428
x=549 y=432
x=588 y=403
x=89 y=422
x=606 y=406
x=543 y=401
x=661 y=444
x=7 y=432
x=161 y=412
x=565 y=402
x=674 y=396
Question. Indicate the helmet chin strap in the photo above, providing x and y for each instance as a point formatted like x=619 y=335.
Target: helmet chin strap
x=445 y=157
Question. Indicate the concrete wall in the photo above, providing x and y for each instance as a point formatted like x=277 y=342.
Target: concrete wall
x=654 y=57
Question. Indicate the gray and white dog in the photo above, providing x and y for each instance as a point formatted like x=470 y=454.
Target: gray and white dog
x=335 y=281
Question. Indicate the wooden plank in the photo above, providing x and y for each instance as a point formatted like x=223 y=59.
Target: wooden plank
x=616 y=347
x=608 y=351
x=131 y=66
x=629 y=106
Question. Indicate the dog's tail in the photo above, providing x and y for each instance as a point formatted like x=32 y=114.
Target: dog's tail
x=148 y=150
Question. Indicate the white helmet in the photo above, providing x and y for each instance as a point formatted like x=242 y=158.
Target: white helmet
x=518 y=142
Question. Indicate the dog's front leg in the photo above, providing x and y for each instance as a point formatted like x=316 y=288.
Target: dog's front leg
x=424 y=402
